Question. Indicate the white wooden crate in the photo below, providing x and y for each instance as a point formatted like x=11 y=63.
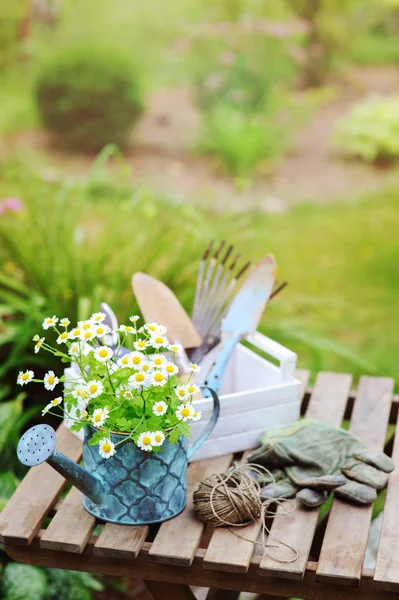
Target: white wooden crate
x=255 y=395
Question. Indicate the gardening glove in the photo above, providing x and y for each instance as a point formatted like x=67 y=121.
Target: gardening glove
x=316 y=458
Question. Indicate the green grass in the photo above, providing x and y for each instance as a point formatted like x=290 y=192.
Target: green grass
x=376 y=50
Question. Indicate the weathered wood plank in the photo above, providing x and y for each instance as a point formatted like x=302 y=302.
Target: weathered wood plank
x=177 y=540
x=327 y=404
x=71 y=526
x=345 y=539
x=303 y=375
x=29 y=505
x=386 y=575
x=120 y=541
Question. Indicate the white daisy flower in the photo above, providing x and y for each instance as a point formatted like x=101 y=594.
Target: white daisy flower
x=182 y=393
x=65 y=322
x=137 y=358
x=158 y=438
x=175 y=347
x=51 y=404
x=36 y=338
x=146 y=366
x=192 y=388
x=185 y=412
x=103 y=354
x=101 y=330
x=98 y=317
x=160 y=408
x=145 y=441
x=80 y=392
x=159 y=360
x=39 y=344
x=194 y=367
x=134 y=318
x=88 y=334
x=196 y=415
x=24 y=378
x=50 y=380
x=158 y=378
x=63 y=338
x=126 y=329
x=49 y=322
x=76 y=332
x=106 y=448
x=171 y=368
x=85 y=325
x=74 y=349
x=94 y=388
x=125 y=360
x=128 y=394
x=155 y=328
x=138 y=380
x=99 y=417
x=158 y=340
x=140 y=345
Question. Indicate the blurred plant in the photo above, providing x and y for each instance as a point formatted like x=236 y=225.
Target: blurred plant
x=23 y=582
x=89 y=95
x=370 y=130
x=11 y=21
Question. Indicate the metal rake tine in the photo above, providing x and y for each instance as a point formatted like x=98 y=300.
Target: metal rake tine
x=198 y=287
x=208 y=277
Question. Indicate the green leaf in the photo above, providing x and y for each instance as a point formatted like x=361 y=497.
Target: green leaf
x=174 y=436
x=9 y=412
x=96 y=438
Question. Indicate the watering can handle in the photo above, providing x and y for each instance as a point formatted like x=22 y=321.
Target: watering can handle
x=211 y=424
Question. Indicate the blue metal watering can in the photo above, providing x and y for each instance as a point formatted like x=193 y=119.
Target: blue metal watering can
x=132 y=487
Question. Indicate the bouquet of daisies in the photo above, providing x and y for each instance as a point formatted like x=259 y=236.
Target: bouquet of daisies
x=136 y=392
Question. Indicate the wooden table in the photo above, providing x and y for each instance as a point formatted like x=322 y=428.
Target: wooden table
x=40 y=529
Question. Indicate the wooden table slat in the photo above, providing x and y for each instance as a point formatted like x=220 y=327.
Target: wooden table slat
x=71 y=526
x=327 y=404
x=36 y=494
x=120 y=541
x=348 y=524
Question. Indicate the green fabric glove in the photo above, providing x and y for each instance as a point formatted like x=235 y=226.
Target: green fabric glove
x=316 y=458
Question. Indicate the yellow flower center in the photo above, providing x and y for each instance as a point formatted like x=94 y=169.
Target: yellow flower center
x=54 y=402
x=195 y=414
x=141 y=344
x=97 y=318
x=86 y=326
x=158 y=437
x=88 y=335
x=97 y=418
x=125 y=360
x=50 y=321
x=76 y=332
x=159 y=340
x=64 y=335
x=103 y=353
x=146 y=440
x=191 y=389
x=136 y=360
x=160 y=408
x=152 y=327
x=93 y=388
x=139 y=377
x=74 y=349
x=100 y=330
x=158 y=361
x=169 y=369
x=106 y=447
x=25 y=376
x=181 y=392
x=145 y=367
x=83 y=394
x=185 y=412
x=50 y=379
x=158 y=377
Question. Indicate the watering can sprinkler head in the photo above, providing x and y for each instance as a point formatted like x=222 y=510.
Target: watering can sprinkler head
x=37 y=445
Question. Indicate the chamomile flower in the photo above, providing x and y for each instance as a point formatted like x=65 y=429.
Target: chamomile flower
x=106 y=448
x=194 y=367
x=50 y=380
x=159 y=360
x=127 y=394
x=101 y=330
x=158 y=378
x=24 y=378
x=137 y=358
x=103 y=354
x=99 y=417
x=171 y=368
x=175 y=347
x=65 y=322
x=49 y=322
x=94 y=388
x=126 y=329
x=146 y=366
x=125 y=360
x=158 y=438
x=137 y=380
x=51 y=404
x=36 y=338
x=192 y=388
x=145 y=441
x=155 y=328
x=63 y=338
x=85 y=325
x=196 y=415
x=140 y=345
x=39 y=344
x=182 y=393
x=88 y=334
x=80 y=392
x=134 y=318
x=76 y=332
x=98 y=317
x=184 y=412
x=160 y=408
x=158 y=340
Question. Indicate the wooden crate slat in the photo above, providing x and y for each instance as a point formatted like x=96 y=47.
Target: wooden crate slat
x=386 y=575
x=71 y=526
x=327 y=404
x=227 y=551
x=348 y=524
x=177 y=540
x=36 y=494
x=120 y=541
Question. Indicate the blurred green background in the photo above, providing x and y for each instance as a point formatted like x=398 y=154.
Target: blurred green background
x=133 y=133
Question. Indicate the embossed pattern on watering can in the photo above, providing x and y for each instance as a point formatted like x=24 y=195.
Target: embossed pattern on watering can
x=144 y=487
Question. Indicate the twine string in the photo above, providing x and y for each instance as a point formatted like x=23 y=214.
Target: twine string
x=234 y=499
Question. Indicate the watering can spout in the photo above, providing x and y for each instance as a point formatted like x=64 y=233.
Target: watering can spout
x=37 y=445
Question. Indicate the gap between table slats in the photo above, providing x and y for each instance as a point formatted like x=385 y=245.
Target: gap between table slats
x=327 y=404
x=229 y=552
x=345 y=539
x=36 y=494
x=386 y=576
